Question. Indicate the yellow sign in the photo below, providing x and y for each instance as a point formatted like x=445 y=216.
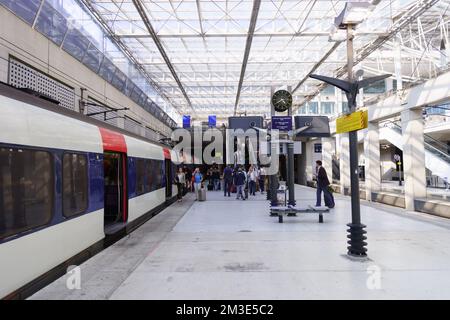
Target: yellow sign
x=355 y=121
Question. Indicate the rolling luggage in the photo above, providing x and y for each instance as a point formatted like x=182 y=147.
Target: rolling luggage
x=329 y=199
x=201 y=194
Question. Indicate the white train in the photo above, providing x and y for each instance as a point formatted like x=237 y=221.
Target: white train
x=68 y=185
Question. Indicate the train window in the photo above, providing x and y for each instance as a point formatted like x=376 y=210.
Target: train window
x=140 y=177
x=151 y=176
x=75 y=184
x=26 y=190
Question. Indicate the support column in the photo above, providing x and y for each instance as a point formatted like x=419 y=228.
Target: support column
x=309 y=150
x=301 y=163
x=344 y=163
x=372 y=159
x=327 y=156
x=413 y=156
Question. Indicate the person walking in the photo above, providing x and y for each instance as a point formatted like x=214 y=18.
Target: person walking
x=188 y=177
x=216 y=178
x=239 y=181
x=228 y=180
x=322 y=185
x=261 y=178
x=180 y=180
x=198 y=179
x=252 y=177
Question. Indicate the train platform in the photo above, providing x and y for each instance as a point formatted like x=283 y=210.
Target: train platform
x=232 y=249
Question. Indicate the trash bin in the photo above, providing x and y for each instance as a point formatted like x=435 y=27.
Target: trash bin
x=201 y=194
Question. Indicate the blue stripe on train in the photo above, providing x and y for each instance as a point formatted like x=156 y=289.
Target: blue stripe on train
x=96 y=183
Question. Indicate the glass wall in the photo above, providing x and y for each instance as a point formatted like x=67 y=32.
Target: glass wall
x=69 y=26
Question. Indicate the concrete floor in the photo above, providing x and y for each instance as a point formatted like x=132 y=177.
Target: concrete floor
x=229 y=249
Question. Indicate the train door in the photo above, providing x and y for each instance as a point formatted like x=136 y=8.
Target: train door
x=168 y=171
x=115 y=182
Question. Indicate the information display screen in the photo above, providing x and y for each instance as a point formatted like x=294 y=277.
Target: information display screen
x=282 y=123
x=319 y=126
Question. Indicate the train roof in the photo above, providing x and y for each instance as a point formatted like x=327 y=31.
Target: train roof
x=16 y=94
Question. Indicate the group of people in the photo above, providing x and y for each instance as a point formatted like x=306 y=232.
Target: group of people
x=186 y=180
x=237 y=179
x=243 y=182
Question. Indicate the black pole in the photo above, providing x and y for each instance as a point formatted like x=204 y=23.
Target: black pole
x=356 y=236
x=273 y=190
x=290 y=173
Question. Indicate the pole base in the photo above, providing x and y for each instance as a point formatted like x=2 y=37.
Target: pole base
x=357 y=244
x=292 y=203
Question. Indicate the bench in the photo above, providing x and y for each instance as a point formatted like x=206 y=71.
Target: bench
x=292 y=211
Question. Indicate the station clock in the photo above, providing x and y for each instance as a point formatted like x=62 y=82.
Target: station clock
x=282 y=100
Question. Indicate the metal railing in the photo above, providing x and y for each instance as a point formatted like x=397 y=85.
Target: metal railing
x=432 y=145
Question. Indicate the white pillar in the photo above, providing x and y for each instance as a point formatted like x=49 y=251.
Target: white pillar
x=372 y=160
x=413 y=156
x=398 y=65
x=327 y=156
x=344 y=162
x=309 y=160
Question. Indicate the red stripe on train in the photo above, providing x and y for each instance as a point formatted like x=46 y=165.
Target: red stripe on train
x=167 y=154
x=113 y=141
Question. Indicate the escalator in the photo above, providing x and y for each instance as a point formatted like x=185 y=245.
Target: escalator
x=437 y=157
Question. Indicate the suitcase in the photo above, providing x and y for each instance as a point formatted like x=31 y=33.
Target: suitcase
x=233 y=189
x=329 y=199
x=201 y=194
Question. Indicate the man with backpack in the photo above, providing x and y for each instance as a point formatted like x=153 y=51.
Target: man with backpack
x=227 y=180
x=239 y=181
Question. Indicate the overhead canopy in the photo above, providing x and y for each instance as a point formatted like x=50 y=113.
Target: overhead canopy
x=222 y=57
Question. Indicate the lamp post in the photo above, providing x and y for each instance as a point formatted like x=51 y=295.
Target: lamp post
x=357 y=244
x=353 y=14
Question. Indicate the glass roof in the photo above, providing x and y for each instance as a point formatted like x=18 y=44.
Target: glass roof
x=200 y=46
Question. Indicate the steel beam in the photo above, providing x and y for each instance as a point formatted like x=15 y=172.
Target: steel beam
x=140 y=8
x=317 y=65
x=248 y=46
x=87 y=4
x=242 y=35
x=400 y=23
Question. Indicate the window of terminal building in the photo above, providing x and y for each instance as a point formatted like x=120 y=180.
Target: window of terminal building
x=75 y=184
x=327 y=107
x=377 y=87
x=328 y=90
x=313 y=107
x=26 y=190
x=25 y=9
x=302 y=110
x=345 y=107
